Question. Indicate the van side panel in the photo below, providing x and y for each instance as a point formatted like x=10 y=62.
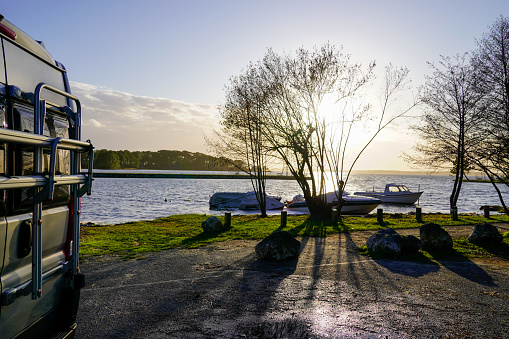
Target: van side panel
x=17 y=271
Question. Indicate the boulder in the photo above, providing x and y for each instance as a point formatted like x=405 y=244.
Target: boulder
x=278 y=246
x=434 y=237
x=410 y=244
x=212 y=225
x=389 y=243
x=484 y=234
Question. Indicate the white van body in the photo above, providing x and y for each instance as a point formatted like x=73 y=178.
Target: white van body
x=40 y=188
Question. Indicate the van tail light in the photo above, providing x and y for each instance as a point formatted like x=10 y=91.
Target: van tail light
x=7 y=31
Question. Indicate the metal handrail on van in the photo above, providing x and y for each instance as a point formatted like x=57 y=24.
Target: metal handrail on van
x=43 y=183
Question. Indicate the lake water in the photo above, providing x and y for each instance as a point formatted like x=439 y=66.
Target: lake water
x=116 y=200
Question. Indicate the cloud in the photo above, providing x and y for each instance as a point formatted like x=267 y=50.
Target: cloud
x=117 y=120
x=96 y=123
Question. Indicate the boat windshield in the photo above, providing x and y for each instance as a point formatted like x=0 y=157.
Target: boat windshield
x=398 y=188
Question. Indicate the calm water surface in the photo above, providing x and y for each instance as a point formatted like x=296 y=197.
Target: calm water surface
x=116 y=200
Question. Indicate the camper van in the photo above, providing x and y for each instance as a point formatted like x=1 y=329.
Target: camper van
x=41 y=183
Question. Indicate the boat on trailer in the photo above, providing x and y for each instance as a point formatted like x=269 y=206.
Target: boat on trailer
x=394 y=194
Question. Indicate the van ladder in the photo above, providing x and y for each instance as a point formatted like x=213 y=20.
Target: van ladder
x=44 y=183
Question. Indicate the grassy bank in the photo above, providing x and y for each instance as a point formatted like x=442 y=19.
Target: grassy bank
x=131 y=239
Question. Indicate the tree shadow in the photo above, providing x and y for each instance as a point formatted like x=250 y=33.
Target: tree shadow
x=500 y=250
x=202 y=238
x=316 y=228
x=415 y=266
x=279 y=268
x=462 y=266
x=260 y=285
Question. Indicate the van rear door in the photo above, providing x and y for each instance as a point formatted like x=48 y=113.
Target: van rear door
x=21 y=311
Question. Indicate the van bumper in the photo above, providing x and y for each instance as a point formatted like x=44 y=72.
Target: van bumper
x=36 y=331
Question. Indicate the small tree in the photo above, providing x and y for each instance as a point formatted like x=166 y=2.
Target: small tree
x=241 y=136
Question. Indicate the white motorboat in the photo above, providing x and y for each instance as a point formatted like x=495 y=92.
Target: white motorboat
x=242 y=201
x=298 y=203
x=394 y=194
x=352 y=205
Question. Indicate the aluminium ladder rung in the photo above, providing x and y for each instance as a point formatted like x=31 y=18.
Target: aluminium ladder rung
x=31 y=181
x=37 y=140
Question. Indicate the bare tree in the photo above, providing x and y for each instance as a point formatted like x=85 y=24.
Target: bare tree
x=279 y=103
x=491 y=61
x=396 y=82
x=241 y=136
x=455 y=110
x=297 y=126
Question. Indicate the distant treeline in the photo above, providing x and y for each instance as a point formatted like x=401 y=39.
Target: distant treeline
x=160 y=160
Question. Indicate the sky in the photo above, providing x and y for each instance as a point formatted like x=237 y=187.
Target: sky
x=150 y=74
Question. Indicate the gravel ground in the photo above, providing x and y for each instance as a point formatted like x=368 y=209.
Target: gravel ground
x=224 y=291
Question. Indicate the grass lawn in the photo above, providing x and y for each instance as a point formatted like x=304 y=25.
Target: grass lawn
x=131 y=239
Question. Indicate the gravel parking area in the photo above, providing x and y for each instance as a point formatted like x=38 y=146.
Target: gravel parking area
x=224 y=291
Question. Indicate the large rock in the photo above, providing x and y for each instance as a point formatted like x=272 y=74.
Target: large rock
x=278 y=246
x=434 y=237
x=485 y=234
x=410 y=244
x=212 y=225
x=389 y=243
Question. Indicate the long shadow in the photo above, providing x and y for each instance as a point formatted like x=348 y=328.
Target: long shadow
x=417 y=265
x=363 y=277
x=215 y=297
x=202 y=237
x=320 y=242
x=500 y=250
x=316 y=228
x=413 y=266
x=462 y=266
x=260 y=284
x=249 y=294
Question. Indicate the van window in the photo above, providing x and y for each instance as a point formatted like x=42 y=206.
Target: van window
x=26 y=71
x=55 y=125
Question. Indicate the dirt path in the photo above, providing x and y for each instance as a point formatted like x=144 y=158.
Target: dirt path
x=224 y=291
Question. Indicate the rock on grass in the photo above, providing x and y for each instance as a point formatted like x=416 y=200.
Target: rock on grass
x=278 y=246
x=434 y=237
x=485 y=234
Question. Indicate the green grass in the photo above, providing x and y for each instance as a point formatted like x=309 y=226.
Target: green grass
x=132 y=239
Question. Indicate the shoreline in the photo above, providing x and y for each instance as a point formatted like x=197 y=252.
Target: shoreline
x=184 y=175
